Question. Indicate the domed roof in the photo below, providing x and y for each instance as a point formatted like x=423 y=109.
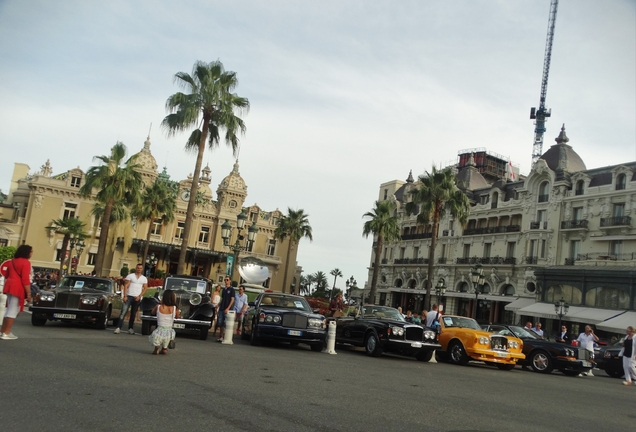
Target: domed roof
x=146 y=159
x=234 y=181
x=562 y=157
x=469 y=177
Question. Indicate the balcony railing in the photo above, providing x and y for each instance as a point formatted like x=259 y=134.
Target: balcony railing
x=442 y=260
x=532 y=259
x=385 y=261
x=417 y=236
x=410 y=261
x=616 y=221
x=539 y=225
x=487 y=260
x=492 y=230
x=574 y=224
x=569 y=261
x=604 y=256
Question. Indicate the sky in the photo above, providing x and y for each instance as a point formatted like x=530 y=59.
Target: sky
x=344 y=95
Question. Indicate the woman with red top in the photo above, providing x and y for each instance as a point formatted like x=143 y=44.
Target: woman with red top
x=17 y=287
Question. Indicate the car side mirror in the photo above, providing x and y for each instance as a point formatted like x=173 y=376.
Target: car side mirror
x=251 y=304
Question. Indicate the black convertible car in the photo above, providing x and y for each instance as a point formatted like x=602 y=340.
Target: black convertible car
x=609 y=360
x=283 y=318
x=544 y=356
x=382 y=328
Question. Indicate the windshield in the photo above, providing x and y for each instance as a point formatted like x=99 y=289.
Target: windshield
x=184 y=284
x=461 y=322
x=78 y=283
x=285 y=301
x=381 y=312
x=524 y=333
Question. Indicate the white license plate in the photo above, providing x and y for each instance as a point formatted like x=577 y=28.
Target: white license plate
x=64 y=316
x=501 y=354
x=586 y=363
x=294 y=332
x=416 y=344
x=178 y=326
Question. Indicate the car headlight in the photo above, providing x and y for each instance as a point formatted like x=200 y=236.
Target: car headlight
x=484 y=340
x=276 y=319
x=90 y=300
x=429 y=334
x=44 y=296
x=569 y=352
x=315 y=323
x=272 y=319
x=513 y=344
x=397 y=331
x=195 y=299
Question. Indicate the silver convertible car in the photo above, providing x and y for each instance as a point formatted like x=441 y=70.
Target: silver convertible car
x=82 y=299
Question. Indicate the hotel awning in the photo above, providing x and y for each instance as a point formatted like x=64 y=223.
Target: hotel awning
x=575 y=313
x=619 y=323
x=520 y=303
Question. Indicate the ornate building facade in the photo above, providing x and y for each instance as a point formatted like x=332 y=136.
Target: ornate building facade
x=35 y=200
x=562 y=219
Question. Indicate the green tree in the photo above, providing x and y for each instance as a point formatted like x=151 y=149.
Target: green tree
x=158 y=201
x=383 y=224
x=6 y=253
x=336 y=273
x=437 y=194
x=209 y=107
x=69 y=227
x=294 y=225
x=114 y=181
x=321 y=281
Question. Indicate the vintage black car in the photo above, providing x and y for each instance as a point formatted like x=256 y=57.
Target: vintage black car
x=544 y=356
x=82 y=299
x=609 y=360
x=193 y=301
x=381 y=328
x=283 y=318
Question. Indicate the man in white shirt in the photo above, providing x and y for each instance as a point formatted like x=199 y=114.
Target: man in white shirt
x=537 y=330
x=135 y=287
x=240 y=307
x=433 y=316
x=586 y=340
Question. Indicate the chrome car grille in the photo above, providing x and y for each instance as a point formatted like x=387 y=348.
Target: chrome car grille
x=67 y=301
x=414 y=333
x=498 y=343
x=294 y=321
x=584 y=354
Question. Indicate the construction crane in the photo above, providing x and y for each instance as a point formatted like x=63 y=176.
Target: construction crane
x=540 y=115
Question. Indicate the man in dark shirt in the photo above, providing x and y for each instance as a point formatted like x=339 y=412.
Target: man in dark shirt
x=226 y=305
x=563 y=336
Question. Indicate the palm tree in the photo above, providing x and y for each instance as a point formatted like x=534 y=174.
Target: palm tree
x=158 y=201
x=383 y=224
x=304 y=285
x=320 y=278
x=336 y=273
x=116 y=181
x=69 y=227
x=294 y=225
x=209 y=105
x=437 y=193
x=310 y=281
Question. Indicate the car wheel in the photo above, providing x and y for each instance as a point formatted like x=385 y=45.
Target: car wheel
x=145 y=328
x=372 y=345
x=316 y=347
x=37 y=321
x=570 y=373
x=203 y=334
x=541 y=362
x=253 y=338
x=424 y=356
x=615 y=373
x=457 y=353
x=501 y=366
x=104 y=323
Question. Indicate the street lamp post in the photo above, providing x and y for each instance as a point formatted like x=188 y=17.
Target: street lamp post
x=440 y=291
x=236 y=248
x=79 y=247
x=351 y=284
x=478 y=280
x=561 y=308
x=77 y=243
x=151 y=261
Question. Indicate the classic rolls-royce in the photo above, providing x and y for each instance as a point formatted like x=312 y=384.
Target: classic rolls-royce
x=193 y=301
x=381 y=328
x=544 y=356
x=283 y=318
x=83 y=299
x=463 y=340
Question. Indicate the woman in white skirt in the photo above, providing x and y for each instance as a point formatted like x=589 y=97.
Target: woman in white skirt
x=166 y=313
x=629 y=357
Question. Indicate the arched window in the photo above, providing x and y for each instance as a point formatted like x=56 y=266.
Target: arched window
x=485 y=289
x=579 y=187
x=463 y=287
x=570 y=294
x=609 y=298
x=495 y=199
x=412 y=284
x=508 y=290
x=621 y=181
x=544 y=191
x=398 y=283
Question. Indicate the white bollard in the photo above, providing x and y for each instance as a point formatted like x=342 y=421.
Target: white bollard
x=230 y=317
x=3 y=306
x=433 y=359
x=331 y=339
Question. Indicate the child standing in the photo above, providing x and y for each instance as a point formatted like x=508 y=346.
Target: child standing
x=166 y=313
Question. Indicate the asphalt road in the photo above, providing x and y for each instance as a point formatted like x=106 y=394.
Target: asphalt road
x=71 y=378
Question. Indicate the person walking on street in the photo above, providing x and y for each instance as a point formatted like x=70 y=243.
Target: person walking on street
x=226 y=305
x=216 y=299
x=240 y=307
x=586 y=340
x=135 y=287
x=629 y=357
x=17 y=287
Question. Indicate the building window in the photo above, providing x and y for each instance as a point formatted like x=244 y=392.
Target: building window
x=609 y=298
x=204 y=234
x=4 y=242
x=570 y=294
x=544 y=192
x=511 y=250
x=579 y=188
x=577 y=214
x=402 y=252
x=58 y=254
x=621 y=182
x=541 y=216
x=416 y=252
x=542 y=248
x=487 y=249
x=271 y=248
x=254 y=217
x=466 y=251
x=619 y=210
x=156 y=227
x=483 y=199
x=75 y=181
x=69 y=210
x=91 y=259
x=533 y=248
x=575 y=249
x=386 y=193
x=178 y=234
x=275 y=221
x=495 y=200
x=616 y=247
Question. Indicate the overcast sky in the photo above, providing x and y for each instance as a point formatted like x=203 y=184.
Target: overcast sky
x=344 y=95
